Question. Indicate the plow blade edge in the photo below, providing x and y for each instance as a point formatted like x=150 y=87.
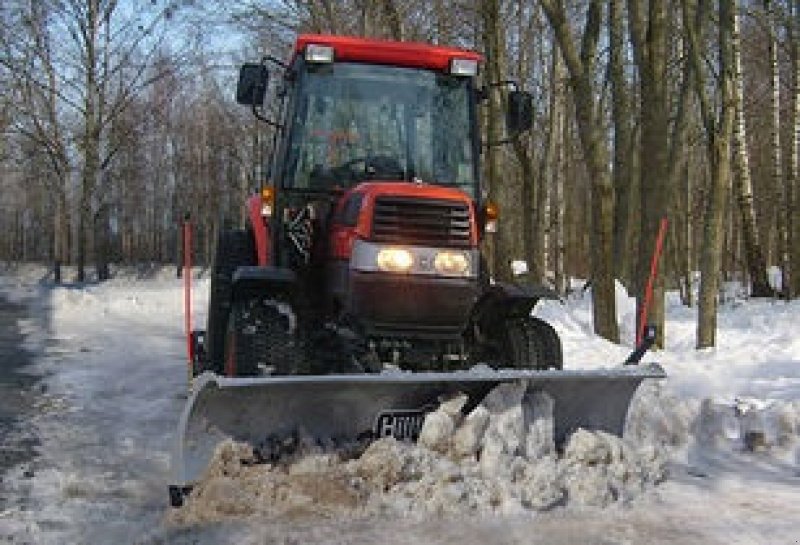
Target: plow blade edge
x=346 y=407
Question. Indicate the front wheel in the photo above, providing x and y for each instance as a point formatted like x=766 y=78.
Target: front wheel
x=528 y=343
x=262 y=338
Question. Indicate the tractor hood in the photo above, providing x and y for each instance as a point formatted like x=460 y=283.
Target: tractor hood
x=409 y=206
x=404 y=213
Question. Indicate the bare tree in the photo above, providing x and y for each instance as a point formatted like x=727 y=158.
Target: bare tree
x=622 y=116
x=778 y=188
x=493 y=41
x=649 y=39
x=743 y=185
x=30 y=61
x=794 y=171
x=718 y=132
x=580 y=66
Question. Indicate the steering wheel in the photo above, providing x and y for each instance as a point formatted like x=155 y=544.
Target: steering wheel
x=375 y=166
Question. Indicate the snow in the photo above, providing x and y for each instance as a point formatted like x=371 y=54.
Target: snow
x=721 y=437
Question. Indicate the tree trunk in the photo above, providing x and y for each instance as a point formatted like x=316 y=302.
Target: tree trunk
x=90 y=141
x=623 y=143
x=392 y=20
x=743 y=185
x=60 y=235
x=649 y=39
x=499 y=252
x=102 y=244
x=719 y=153
x=551 y=195
x=778 y=196
x=687 y=246
x=794 y=172
x=558 y=199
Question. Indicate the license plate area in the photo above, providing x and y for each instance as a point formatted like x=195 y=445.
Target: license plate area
x=402 y=424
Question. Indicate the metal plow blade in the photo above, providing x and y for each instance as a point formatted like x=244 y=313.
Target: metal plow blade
x=346 y=407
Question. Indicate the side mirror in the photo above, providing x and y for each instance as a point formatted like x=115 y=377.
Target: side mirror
x=252 y=86
x=519 y=115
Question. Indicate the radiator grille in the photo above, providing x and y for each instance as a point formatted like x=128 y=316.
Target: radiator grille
x=423 y=222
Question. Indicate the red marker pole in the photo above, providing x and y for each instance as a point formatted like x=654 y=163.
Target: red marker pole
x=648 y=292
x=187 y=288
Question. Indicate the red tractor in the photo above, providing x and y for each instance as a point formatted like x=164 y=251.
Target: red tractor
x=365 y=248
x=357 y=297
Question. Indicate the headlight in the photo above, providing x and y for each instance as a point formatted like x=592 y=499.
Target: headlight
x=394 y=260
x=451 y=263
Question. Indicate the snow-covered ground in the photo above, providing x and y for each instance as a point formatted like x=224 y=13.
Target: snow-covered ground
x=115 y=380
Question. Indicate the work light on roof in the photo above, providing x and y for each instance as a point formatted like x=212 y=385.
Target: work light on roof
x=464 y=67
x=319 y=53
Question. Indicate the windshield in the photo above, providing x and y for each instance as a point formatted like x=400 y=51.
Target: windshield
x=356 y=122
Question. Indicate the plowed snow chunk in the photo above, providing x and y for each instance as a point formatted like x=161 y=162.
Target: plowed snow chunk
x=504 y=433
x=500 y=458
x=658 y=418
x=747 y=425
x=538 y=413
x=383 y=464
x=600 y=468
x=221 y=497
x=587 y=448
x=469 y=435
x=437 y=430
x=541 y=485
x=232 y=489
x=229 y=459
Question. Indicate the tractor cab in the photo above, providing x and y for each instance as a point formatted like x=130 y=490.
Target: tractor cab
x=404 y=113
x=357 y=110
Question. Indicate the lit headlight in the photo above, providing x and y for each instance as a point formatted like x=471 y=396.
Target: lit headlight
x=452 y=263
x=394 y=260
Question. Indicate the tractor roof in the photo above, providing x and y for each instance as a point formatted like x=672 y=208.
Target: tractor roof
x=406 y=54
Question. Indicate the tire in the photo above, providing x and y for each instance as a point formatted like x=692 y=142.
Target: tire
x=531 y=343
x=261 y=337
x=234 y=249
x=549 y=343
x=243 y=342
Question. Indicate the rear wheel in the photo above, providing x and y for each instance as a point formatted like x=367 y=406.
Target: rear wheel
x=530 y=343
x=234 y=249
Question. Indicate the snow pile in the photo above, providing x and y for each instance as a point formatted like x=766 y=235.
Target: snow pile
x=770 y=429
x=705 y=433
x=500 y=458
x=113 y=358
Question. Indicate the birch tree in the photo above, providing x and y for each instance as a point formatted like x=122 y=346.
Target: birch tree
x=743 y=185
x=794 y=171
x=778 y=190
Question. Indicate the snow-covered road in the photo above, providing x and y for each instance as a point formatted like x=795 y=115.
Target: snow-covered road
x=113 y=357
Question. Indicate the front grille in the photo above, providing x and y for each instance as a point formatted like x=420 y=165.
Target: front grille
x=423 y=222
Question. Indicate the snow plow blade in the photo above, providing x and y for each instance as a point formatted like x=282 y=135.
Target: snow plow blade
x=347 y=407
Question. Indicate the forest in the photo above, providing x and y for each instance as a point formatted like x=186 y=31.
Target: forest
x=118 y=119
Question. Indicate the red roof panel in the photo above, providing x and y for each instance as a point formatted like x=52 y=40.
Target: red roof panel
x=407 y=54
